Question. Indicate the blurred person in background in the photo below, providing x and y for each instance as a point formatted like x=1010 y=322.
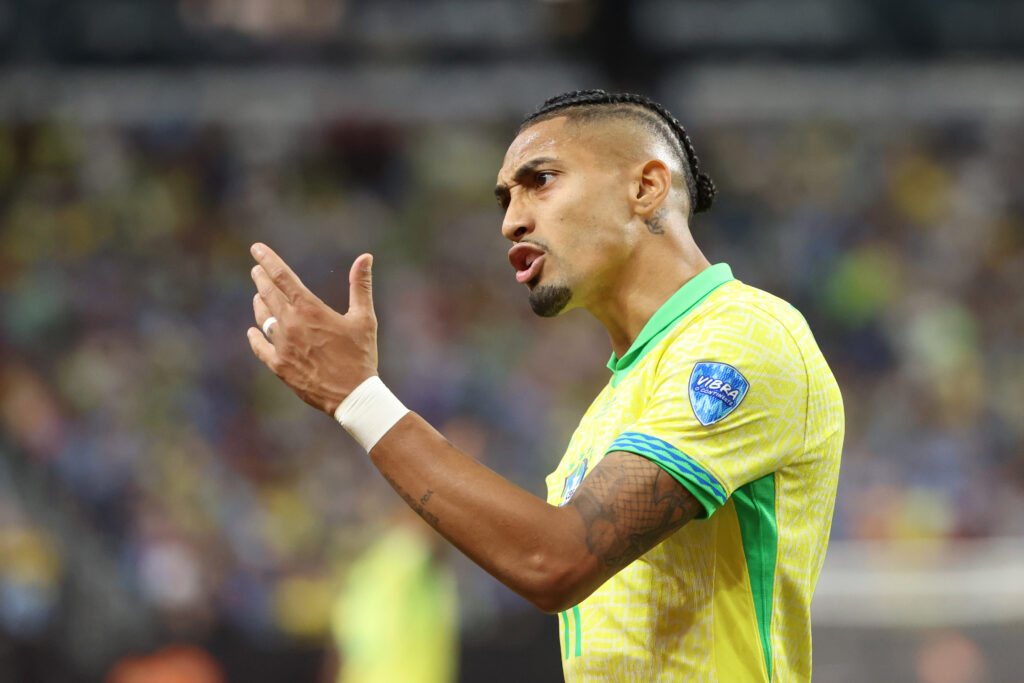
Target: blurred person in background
x=950 y=657
x=396 y=619
x=173 y=664
x=686 y=525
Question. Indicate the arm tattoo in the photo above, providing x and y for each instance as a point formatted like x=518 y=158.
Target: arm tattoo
x=629 y=504
x=654 y=222
x=418 y=505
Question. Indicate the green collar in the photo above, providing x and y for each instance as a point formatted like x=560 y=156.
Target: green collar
x=688 y=297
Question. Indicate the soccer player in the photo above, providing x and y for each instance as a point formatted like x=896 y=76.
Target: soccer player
x=686 y=524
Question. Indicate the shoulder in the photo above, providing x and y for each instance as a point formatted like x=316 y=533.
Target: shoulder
x=741 y=319
x=742 y=341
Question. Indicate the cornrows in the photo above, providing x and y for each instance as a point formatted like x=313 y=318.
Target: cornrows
x=700 y=186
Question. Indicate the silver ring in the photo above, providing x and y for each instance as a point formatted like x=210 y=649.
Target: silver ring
x=266 y=325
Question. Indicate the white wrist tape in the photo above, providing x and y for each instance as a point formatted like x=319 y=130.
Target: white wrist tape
x=369 y=412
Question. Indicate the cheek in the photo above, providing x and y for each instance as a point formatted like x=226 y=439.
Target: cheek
x=607 y=200
x=587 y=222
x=593 y=247
x=602 y=219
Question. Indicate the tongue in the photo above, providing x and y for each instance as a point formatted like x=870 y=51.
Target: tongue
x=530 y=272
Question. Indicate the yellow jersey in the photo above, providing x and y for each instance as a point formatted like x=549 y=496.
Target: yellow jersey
x=726 y=389
x=397 y=617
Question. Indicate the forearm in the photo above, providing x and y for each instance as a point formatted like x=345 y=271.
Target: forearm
x=552 y=556
x=536 y=549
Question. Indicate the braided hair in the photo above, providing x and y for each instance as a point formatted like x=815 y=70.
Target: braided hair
x=583 y=102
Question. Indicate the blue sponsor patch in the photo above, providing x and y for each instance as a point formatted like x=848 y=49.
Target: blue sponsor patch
x=715 y=391
x=572 y=482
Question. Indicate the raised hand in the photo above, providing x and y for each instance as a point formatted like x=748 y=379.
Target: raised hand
x=320 y=353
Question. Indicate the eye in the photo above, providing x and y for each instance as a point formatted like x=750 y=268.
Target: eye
x=542 y=178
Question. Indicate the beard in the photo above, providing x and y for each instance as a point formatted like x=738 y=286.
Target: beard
x=548 y=301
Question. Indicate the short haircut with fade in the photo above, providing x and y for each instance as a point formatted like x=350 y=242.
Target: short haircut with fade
x=653 y=117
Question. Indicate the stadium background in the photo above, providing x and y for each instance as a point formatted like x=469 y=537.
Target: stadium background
x=159 y=487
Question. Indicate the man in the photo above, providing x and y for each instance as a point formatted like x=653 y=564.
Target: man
x=396 y=619
x=687 y=522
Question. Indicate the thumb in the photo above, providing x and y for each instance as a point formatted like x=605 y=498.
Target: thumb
x=360 y=285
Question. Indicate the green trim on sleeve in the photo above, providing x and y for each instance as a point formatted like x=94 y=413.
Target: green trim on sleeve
x=684 y=469
x=755 y=509
x=706 y=500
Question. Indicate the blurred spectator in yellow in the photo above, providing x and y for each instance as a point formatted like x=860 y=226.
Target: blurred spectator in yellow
x=396 y=618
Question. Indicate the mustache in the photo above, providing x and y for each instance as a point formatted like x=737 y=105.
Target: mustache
x=537 y=243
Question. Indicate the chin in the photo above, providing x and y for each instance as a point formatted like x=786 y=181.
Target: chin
x=548 y=301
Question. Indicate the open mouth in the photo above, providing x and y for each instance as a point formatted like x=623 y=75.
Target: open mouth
x=528 y=260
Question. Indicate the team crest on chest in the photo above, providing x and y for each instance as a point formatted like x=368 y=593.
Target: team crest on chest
x=572 y=482
x=715 y=391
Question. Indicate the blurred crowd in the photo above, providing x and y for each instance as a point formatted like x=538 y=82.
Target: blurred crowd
x=154 y=441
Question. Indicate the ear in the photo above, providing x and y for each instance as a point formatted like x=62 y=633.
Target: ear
x=653 y=182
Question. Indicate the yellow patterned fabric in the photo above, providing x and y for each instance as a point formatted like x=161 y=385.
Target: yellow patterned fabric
x=726 y=389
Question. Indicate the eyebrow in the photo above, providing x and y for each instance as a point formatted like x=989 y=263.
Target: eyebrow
x=501 y=191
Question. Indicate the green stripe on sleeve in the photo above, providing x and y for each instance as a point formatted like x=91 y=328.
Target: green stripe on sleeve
x=755 y=509
x=684 y=469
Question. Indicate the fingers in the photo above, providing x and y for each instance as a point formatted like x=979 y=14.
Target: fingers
x=263 y=349
x=262 y=315
x=278 y=273
x=273 y=298
x=360 y=285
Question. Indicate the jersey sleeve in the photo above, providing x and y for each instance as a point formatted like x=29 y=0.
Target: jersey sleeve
x=728 y=405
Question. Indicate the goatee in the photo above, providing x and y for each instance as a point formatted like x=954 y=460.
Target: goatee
x=548 y=301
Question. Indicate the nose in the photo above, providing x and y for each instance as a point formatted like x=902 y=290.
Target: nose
x=518 y=222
